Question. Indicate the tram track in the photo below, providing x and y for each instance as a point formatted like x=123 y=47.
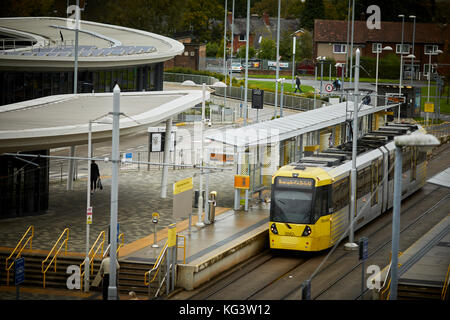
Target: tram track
x=380 y=247
x=241 y=280
x=285 y=282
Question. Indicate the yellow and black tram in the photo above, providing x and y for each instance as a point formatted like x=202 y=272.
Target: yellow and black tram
x=310 y=199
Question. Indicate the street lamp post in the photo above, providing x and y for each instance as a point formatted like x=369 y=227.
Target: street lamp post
x=429 y=75
x=412 y=52
x=281 y=80
x=247 y=43
x=88 y=201
x=293 y=60
x=351 y=245
x=411 y=140
x=115 y=159
x=75 y=71
x=277 y=58
x=217 y=84
x=401 y=66
x=387 y=48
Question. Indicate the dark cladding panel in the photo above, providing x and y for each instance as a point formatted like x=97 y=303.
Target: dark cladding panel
x=24 y=188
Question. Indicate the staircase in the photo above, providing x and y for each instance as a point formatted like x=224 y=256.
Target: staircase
x=419 y=292
x=33 y=270
x=131 y=277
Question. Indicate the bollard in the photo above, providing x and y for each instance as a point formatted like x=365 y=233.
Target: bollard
x=212 y=203
x=155 y=218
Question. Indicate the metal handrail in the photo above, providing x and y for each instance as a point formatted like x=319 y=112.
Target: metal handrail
x=161 y=257
x=109 y=246
x=121 y=236
x=30 y=240
x=183 y=247
x=92 y=255
x=444 y=289
x=64 y=242
x=388 y=286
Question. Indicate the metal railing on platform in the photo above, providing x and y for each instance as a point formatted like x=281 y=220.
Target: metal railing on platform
x=446 y=284
x=55 y=252
x=98 y=245
x=20 y=248
x=159 y=262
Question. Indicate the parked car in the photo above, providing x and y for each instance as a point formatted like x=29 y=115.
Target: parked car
x=236 y=67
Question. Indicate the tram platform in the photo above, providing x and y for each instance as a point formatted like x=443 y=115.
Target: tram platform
x=424 y=266
x=232 y=238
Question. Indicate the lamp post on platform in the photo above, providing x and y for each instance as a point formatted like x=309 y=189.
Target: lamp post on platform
x=410 y=140
x=217 y=84
x=387 y=48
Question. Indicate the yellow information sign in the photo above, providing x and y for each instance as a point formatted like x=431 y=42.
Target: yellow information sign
x=429 y=107
x=242 y=181
x=172 y=236
x=183 y=185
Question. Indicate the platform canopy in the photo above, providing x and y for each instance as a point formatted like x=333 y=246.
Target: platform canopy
x=63 y=120
x=284 y=128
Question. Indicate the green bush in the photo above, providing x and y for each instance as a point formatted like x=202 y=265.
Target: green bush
x=388 y=67
x=181 y=70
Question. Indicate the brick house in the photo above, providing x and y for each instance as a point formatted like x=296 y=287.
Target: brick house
x=193 y=56
x=260 y=26
x=330 y=38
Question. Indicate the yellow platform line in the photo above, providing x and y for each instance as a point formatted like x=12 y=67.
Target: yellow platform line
x=49 y=291
x=161 y=235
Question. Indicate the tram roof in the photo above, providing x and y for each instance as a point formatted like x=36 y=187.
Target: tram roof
x=284 y=128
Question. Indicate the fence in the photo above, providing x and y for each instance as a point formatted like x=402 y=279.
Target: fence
x=289 y=101
x=216 y=64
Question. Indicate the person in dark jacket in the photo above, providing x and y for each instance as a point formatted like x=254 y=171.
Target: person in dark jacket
x=95 y=174
x=297 y=85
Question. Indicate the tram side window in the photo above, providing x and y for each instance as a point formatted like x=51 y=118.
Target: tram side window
x=421 y=157
x=340 y=194
x=363 y=182
x=406 y=159
x=380 y=171
x=321 y=202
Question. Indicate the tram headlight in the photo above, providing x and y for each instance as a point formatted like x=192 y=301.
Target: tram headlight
x=273 y=228
x=306 y=231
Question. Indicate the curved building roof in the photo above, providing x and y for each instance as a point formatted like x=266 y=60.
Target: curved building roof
x=62 y=120
x=51 y=45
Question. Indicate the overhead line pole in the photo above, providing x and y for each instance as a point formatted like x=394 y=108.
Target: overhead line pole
x=351 y=245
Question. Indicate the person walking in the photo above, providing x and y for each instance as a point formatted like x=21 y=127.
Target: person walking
x=104 y=273
x=95 y=175
x=297 y=84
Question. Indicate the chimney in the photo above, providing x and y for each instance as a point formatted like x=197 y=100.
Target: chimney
x=230 y=18
x=266 y=20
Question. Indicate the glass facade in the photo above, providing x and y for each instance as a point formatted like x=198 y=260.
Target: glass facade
x=17 y=86
x=23 y=187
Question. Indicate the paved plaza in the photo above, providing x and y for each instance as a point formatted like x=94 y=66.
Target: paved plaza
x=139 y=192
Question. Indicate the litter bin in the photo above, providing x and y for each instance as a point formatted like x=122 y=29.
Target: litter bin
x=196 y=196
x=212 y=206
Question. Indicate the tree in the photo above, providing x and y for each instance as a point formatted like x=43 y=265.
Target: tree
x=212 y=48
x=156 y=16
x=267 y=49
x=304 y=48
x=25 y=8
x=199 y=16
x=241 y=52
x=313 y=9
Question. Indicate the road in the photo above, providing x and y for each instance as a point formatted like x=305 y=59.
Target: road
x=278 y=275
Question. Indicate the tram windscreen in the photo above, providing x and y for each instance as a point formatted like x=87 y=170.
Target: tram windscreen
x=292 y=200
